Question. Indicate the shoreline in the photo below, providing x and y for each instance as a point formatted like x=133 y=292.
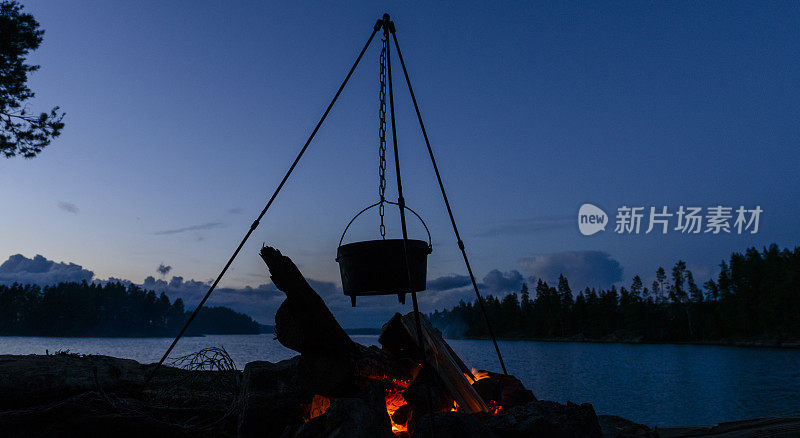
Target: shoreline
x=200 y=335
x=745 y=343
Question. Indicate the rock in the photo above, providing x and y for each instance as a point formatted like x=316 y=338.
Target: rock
x=503 y=390
x=547 y=419
x=416 y=396
x=613 y=426
x=402 y=414
x=67 y=395
x=313 y=428
x=352 y=418
x=452 y=425
x=490 y=389
x=355 y=418
x=331 y=375
x=92 y=414
x=32 y=380
x=271 y=398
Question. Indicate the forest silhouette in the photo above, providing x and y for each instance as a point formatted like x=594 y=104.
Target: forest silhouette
x=110 y=310
x=756 y=296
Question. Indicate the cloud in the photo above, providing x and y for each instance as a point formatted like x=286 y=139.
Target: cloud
x=496 y=282
x=237 y=210
x=205 y=226
x=163 y=269
x=445 y=292
x=582 y=268
x=259 y=302
x=68 y=207
x=448 y=282
x=41 y=271
x=529 y=226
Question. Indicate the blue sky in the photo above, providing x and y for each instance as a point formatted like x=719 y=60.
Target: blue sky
x=183 y=116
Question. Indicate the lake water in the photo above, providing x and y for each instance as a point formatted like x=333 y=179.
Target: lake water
x=658 y=385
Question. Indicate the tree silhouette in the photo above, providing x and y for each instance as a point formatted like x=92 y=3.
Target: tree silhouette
x=113 y=309
x=21 y=132
x=755 y=296
x=661 y=277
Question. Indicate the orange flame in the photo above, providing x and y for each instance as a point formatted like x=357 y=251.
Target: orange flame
x=395 y=400
x=476 y=375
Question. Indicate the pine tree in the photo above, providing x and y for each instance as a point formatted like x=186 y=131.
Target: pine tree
x=565 y=292
x=636 y=287
x=661 y=277
x=695 y=294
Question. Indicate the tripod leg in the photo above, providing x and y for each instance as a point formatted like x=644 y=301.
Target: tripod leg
x=447 y=204
x=269 y=203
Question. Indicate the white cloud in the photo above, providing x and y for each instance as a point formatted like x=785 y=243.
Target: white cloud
x=582 y=268
x=41 y=271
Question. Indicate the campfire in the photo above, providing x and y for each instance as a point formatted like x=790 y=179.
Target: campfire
x=488 y=390
x=404 y=380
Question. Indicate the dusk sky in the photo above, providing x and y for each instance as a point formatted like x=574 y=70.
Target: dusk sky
x=182 y=117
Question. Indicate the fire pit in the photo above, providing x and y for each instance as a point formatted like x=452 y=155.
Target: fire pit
x=390 y=388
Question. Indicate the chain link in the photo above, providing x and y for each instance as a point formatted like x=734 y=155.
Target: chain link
x=382 y=136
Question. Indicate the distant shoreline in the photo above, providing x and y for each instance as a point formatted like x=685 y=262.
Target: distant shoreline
x=171 y=336
x=749 y=343
x=746 y=343
x=265 y=330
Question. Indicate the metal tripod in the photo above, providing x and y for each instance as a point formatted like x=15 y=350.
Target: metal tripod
x=388 y=28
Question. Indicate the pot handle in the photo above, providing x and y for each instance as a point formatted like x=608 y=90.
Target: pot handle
x=430 y=243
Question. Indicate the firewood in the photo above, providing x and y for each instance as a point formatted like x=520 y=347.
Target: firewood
x=443 y=360
x=303 y=322
x=328 y=361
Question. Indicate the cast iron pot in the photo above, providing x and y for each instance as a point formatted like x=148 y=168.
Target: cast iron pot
x=377 y=267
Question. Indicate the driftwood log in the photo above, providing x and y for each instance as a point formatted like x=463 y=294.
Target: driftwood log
x=331 y=364
x=303 y=322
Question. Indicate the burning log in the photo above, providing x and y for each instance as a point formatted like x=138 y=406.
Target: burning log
x=400 y=334
x=499 y=390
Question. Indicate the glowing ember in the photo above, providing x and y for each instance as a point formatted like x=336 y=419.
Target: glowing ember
x=317 y=407
x=494 y=408
x=394 y=401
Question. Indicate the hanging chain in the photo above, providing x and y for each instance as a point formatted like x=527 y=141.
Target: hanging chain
x=382 y=136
